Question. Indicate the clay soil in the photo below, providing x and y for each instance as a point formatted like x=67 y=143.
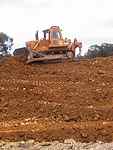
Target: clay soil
x=56 y=101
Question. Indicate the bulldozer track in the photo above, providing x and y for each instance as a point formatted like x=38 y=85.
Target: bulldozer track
x=32 y=82
x=46 y=122
x=26 y=129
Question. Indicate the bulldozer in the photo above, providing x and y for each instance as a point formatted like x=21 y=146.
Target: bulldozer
x=51 y=47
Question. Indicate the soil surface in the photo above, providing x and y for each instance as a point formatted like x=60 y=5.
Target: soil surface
x=57 y=101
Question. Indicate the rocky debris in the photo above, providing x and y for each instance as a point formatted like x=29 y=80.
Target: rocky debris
x=69 y=144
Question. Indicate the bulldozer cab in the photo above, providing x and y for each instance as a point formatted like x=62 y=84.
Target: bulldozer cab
x=55 y=37
x=53 y=33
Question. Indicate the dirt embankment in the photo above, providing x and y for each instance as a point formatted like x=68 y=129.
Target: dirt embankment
x=57 y=101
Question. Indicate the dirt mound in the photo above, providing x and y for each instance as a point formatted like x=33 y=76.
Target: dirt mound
x=72 y=98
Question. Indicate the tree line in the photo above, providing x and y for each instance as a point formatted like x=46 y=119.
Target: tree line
x=6 y=43
x=103 y=50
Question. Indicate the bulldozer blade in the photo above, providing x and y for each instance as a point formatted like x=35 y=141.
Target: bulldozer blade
x=46 y=58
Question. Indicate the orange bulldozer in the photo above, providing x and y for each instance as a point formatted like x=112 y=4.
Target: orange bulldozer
x=51 y=47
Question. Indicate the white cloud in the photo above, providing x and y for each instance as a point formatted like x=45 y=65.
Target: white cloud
x=86 y=19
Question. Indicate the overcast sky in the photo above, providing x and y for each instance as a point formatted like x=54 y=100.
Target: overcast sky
x=91 y=21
